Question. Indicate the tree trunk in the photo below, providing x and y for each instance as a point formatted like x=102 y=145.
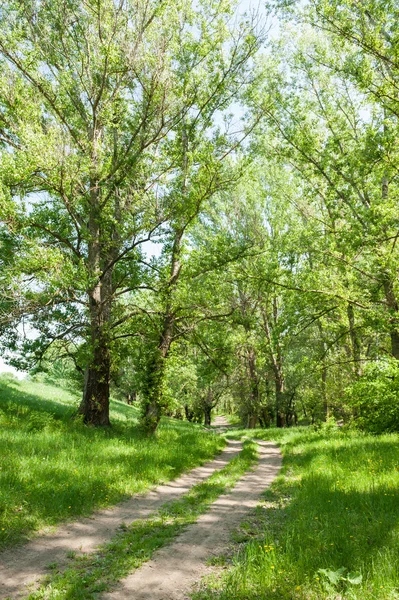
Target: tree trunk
x=393 y=321
x=207 y=416
x=102 y=251
x=251 y=423
x=95 y=402
x=389 y=285
x=131 y=397
x=323 y=370
x=355 y=343
x=266 y=418
x=277 y=365
x=254 y=387
x=153 y=400
x=188 y=413
x=280 y=415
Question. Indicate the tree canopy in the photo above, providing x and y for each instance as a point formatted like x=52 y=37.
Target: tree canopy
x=195 y=211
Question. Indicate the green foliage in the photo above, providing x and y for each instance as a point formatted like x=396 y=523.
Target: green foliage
x=374 y=398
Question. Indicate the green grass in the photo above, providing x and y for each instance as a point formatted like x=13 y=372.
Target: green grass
x=89 y=575
x=327 y=529
x=54 y=468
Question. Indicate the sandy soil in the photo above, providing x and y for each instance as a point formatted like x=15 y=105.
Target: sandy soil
x=21 y=568
x=220 y=421
x=174 y=569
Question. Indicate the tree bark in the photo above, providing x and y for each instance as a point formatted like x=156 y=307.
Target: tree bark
x=277 y=365
x=251 y=422
x=153 y=395
x=207 y=416
x=355 y=343
x=323 y=370
x=95 y=402
x=394 y=320
x=153 y=400
x=254 y=387
x=131 y=397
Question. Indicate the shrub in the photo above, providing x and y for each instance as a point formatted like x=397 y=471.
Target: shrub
x=374 y=398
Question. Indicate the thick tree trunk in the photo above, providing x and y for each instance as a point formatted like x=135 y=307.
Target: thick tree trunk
x=95 y=407
x=95 y=402
x=208 y=405
x=188 y=412
x=102 y=250
x=154 y=385
x=266 y=418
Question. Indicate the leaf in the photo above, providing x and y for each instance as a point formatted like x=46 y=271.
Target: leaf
x=354 y=578
x=333 y=577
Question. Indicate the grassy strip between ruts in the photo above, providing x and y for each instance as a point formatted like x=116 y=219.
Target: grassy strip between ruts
x=88 y=575
x=328 y=528
x=54 y=468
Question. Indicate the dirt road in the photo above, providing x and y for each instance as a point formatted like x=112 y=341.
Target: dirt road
x=174 y=569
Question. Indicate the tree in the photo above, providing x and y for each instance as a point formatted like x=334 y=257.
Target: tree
x=113 y=88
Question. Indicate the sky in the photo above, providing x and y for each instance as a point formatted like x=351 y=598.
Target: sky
x=7 y=369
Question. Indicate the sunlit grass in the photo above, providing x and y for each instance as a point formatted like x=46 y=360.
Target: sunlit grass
x=328 y=527
x=53 y=468
x=91 y=574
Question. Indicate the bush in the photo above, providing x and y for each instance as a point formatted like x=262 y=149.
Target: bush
x=374 y=398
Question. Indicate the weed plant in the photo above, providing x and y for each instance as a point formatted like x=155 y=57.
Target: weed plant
x=92 y=574
x=54 y=468
x=328 y=528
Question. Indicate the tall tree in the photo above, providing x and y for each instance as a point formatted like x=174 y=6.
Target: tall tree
x=97 y=158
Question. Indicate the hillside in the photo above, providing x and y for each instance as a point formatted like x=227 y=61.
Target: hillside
x=54 y=468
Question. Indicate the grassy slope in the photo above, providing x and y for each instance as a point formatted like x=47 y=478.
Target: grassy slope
x=53 y=468
x=335 y=506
